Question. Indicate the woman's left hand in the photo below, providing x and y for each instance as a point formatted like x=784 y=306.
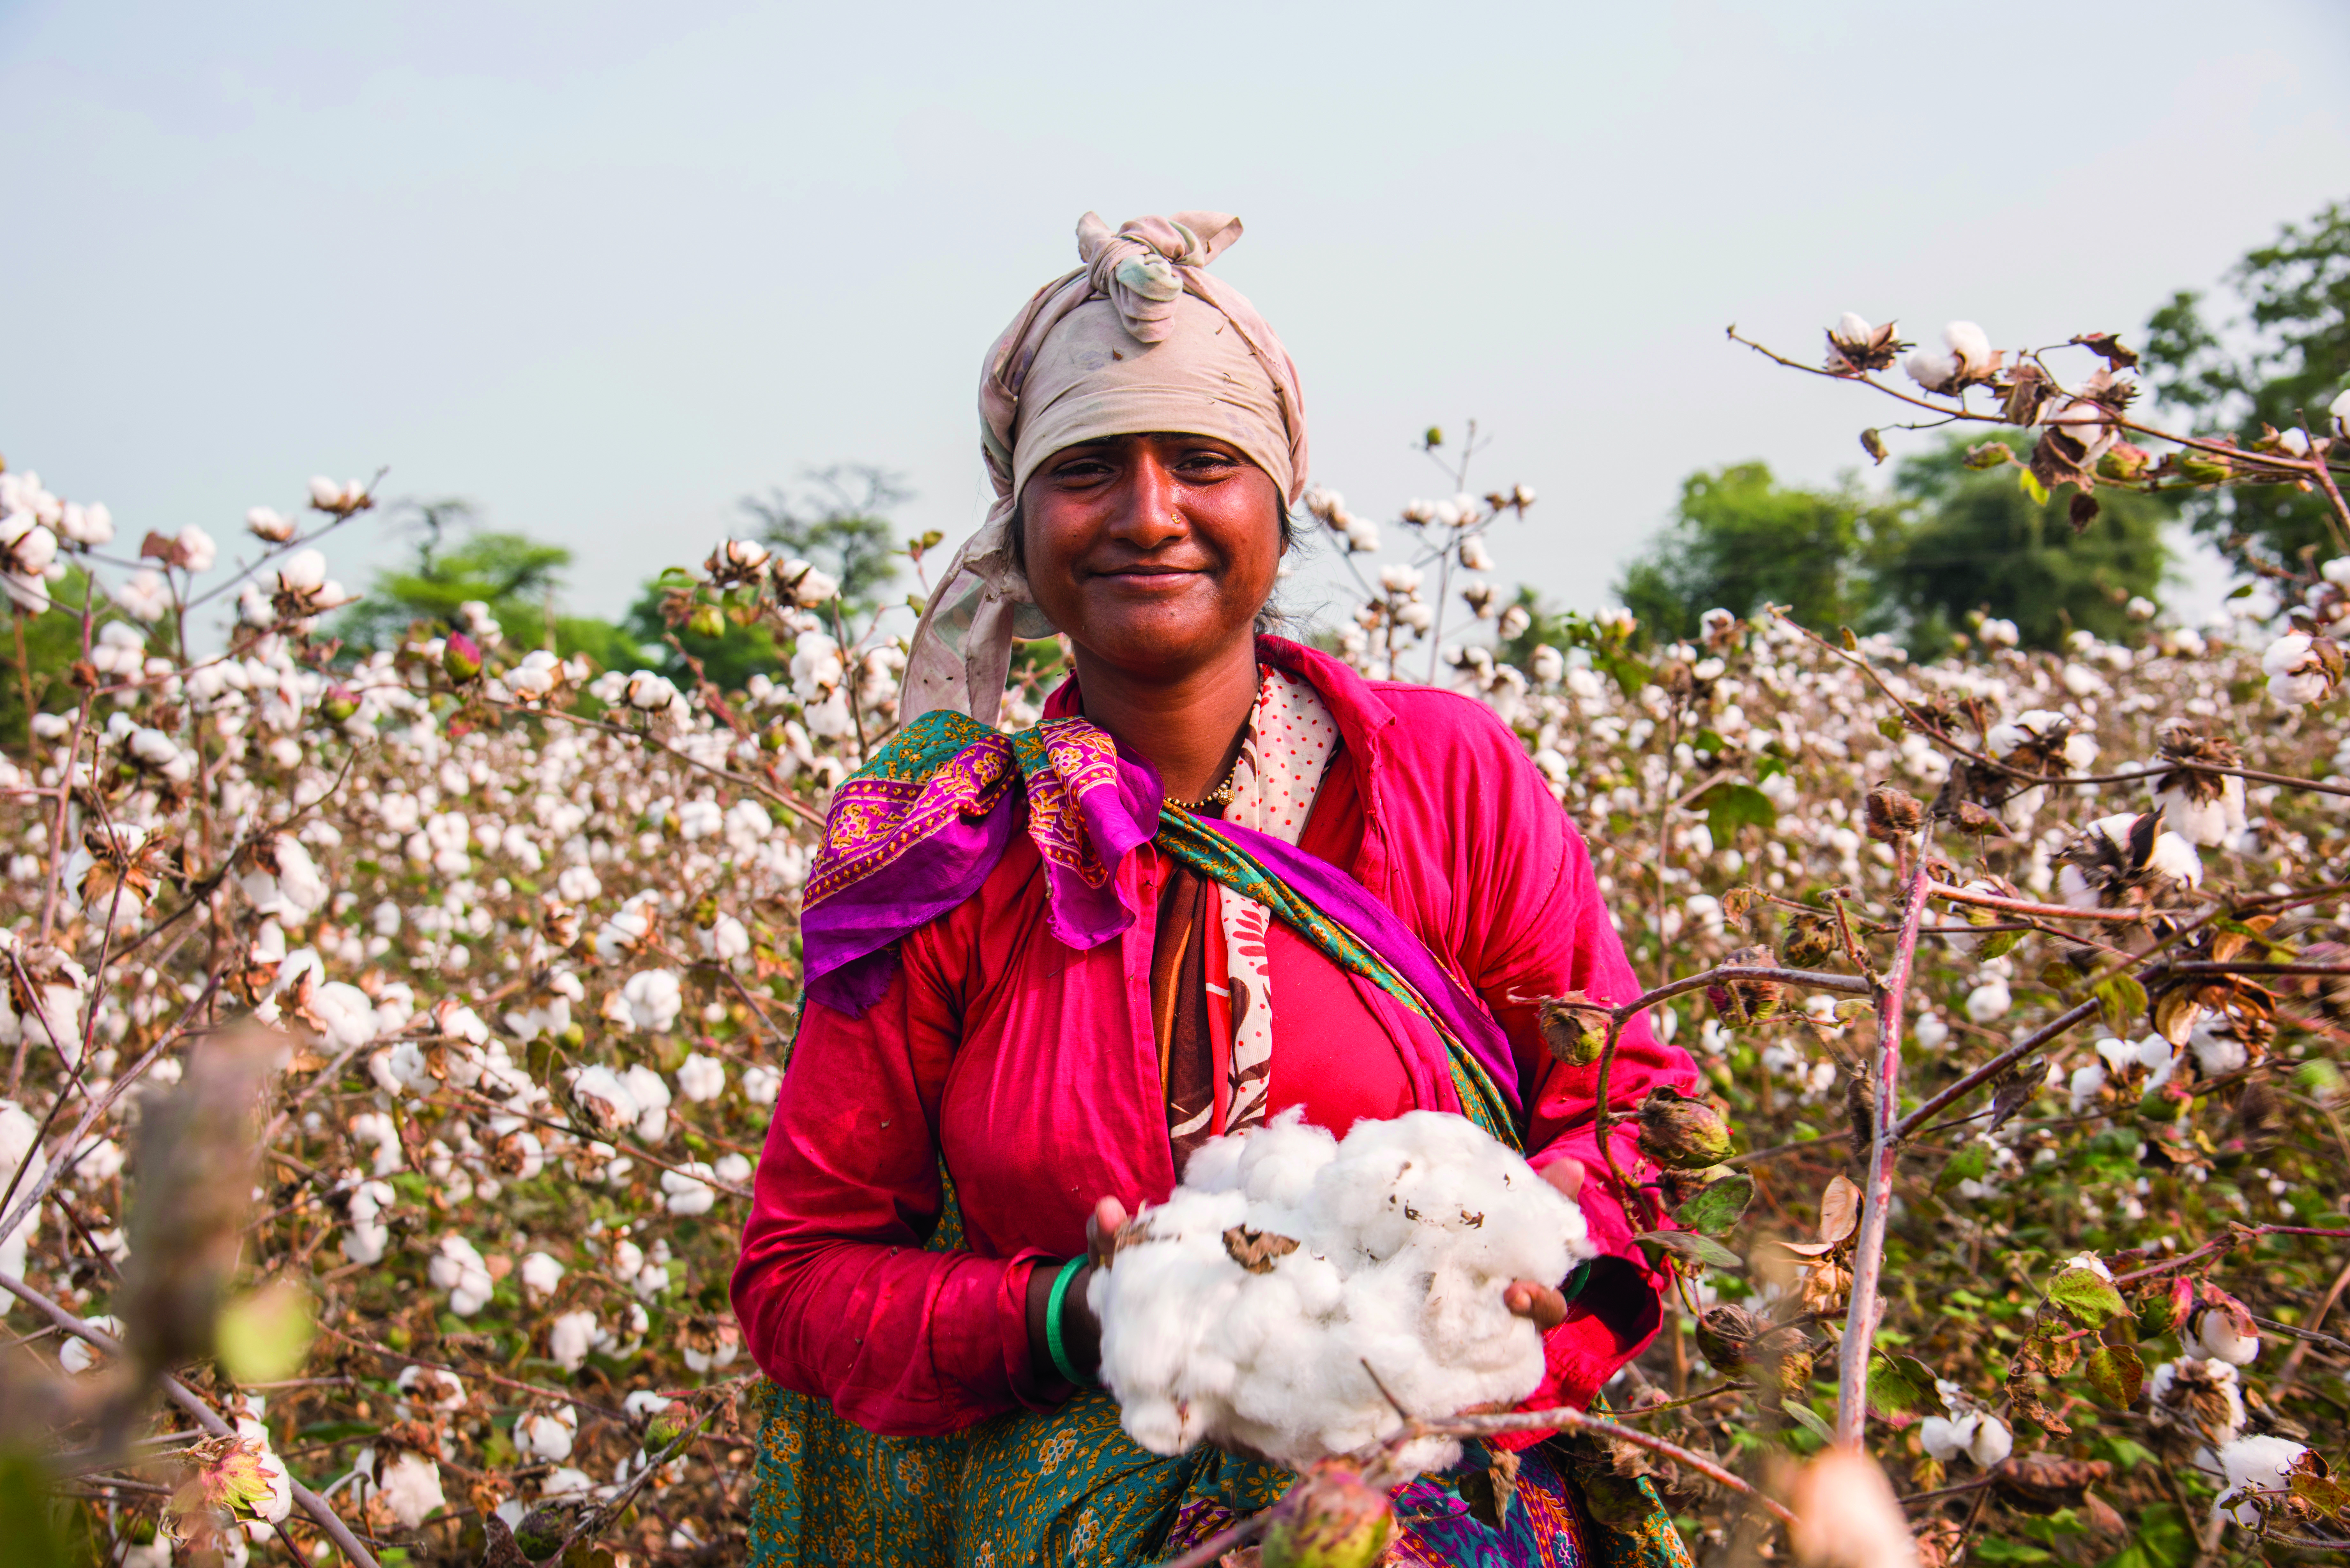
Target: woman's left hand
x=1528 y=1298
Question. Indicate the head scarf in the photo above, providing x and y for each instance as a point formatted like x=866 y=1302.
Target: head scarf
x=1139 y=339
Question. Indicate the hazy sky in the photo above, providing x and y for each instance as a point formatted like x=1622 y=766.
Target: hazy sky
x=605 y=268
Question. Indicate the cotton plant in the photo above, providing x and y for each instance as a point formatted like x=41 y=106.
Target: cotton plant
x=522 y=930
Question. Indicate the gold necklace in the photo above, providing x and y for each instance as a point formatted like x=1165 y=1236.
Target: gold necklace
x=1220 y=795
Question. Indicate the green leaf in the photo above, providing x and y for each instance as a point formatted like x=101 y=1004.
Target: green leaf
x=2088 y=1295
x=27 y=1526
x=1707 y=741
x=1717 y=1205
x=2244 y=590
x=2122 y=1453
x=1690 y=1247
x=2032 y=487
x=1968 y=1165
x=2326 y=1496
x=1728 y=807
x=2161 y=1540
x=1770 y=766
x=2117 y=1374
x=1999 y=1548
x=1809 y=1419
x=2124 y=1002
x=1902 y=1385
x=1629 y=673
x=264 y=1335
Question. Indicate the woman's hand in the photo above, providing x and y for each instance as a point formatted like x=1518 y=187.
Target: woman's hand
x=1080 y=1330
x=1528 y=1298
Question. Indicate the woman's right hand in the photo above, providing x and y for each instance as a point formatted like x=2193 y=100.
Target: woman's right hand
x=1080 y=1330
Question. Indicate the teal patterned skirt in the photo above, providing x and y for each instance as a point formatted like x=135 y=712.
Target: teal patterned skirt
x=1069 y=1489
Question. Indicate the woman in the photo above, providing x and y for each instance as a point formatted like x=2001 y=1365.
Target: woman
x=1225 y=876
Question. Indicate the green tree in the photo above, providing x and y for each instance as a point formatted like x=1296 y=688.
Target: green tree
x=1740 y=540
x=2283 y=361
x=52 y=641
x=1973 y=539
x=515 y=576
x=838 y=522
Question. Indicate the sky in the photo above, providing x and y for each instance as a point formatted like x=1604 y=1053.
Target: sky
x=604 y=269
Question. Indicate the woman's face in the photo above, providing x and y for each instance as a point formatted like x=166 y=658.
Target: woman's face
x=1153 y=552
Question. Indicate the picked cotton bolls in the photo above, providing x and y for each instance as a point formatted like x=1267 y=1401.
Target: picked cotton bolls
x=459 y=1269
x=1245 y=1308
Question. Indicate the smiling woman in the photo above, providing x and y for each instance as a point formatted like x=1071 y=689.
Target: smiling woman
x=1224 y=880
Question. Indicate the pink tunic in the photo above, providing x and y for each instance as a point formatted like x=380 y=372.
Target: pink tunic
x=1031 y=1068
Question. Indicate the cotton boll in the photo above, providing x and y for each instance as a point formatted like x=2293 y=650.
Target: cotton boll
x=1989 y=1002
x=1992 y=1442
x=79 y=1356
x=428 y=1388
x=701 y=1078
x=1407 y=1234
x=548 y=1434
x=540 y=1274
x=2205 y=1398
x=459 y=1269
x=2209 y=1334
x=650 y=1090
x=2258 y=1464
x=410 y=1484
x=20 y=1139
x=2086 y=1083
x=571 y=1337
x=1945 y=1437
x=687 y=1193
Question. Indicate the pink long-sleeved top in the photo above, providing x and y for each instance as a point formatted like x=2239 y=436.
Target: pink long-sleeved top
x=1032 y=1069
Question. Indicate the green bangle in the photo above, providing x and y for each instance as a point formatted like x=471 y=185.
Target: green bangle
x=1060 y=1352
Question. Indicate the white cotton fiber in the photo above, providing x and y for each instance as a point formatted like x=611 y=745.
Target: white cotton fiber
x=1408 y=1234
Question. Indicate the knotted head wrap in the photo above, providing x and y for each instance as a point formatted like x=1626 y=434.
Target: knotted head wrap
x=1140 y=339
